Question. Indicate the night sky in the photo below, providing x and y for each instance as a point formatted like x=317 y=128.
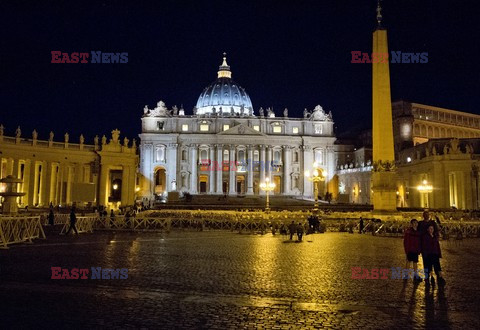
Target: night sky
x=293 y=54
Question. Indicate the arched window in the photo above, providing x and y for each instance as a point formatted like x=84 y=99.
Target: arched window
x=318 y=156
x=203 y=155
x=226 y=156
x=256 y=156
x=184 y=155
x=276 y=156
x=241 y=156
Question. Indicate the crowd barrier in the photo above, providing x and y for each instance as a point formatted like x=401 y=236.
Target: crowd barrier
x=19 y=229
x=84 y=225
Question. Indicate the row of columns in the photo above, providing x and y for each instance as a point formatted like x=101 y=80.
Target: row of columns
x=175 y=169
x=44 y=182
x=216 y=172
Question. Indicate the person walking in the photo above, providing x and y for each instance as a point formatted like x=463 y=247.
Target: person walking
x=51 y=217
x=432 y=254
x=292 y=229
x=73 y=221
x=300 y=231
x=412 y=247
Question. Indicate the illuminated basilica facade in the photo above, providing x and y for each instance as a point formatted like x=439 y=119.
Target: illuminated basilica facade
x=227 y=147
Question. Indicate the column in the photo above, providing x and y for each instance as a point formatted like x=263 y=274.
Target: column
x=250 y=171
x=60 y=184
x=219 y=169
x=286 y=169
x=52 y=179
x=171 y=164
x=330 y=168
x=132 y=181
x=232 y=184
x=146 y=170
x=194 y=168
x=104 y=177
x=211 y=174
x=44 y=183
x=307 y=166
x=31 y=183
x=263 y=166
x=16 y=168
x=125 y=185
x=269 y=162
x=70 y=174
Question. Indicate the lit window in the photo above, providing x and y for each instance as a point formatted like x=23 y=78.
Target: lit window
x=185 y=127
x=204 y=127
x=256 y=127
x=226 y=127
x=295 y=130
x=277 y=129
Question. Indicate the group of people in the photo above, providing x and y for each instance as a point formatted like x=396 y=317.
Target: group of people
x=293 y=229
x=423 y=238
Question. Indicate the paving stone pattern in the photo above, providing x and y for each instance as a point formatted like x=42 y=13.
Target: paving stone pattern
x=223 y=280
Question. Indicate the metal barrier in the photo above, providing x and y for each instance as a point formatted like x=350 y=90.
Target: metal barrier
x=19 y=230
x=83 y=225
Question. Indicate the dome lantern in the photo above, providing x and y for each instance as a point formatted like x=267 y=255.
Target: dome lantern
x=224 y=69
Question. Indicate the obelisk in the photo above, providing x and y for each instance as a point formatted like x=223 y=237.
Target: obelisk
x=383 y=175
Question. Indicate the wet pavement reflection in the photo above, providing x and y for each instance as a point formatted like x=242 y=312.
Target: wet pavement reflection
x=227 y=280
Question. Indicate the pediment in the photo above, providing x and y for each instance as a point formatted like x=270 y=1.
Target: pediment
x=241 y=129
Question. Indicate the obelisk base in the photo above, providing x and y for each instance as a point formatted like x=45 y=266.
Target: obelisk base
x=384 y=192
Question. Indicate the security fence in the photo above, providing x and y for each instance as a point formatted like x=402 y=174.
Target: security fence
x=19 y=230
x=83 y=225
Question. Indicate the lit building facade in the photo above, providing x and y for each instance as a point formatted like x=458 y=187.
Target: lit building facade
x=65 y=173
x=433 y=145
x=225 y=147
x=416 y=123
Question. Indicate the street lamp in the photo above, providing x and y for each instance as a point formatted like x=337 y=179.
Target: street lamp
x=318 y=174
x=425 y=188
x=267 y=186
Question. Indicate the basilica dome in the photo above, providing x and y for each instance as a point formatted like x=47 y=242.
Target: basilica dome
x=224 y=95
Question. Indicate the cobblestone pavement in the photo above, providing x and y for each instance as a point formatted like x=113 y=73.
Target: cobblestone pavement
x=226 y=280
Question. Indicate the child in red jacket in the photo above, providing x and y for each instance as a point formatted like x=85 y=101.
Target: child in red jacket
x=411 y=244
x=431 y=253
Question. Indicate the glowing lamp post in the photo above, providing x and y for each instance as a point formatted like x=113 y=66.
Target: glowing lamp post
x=318 y=174
x=267 y=186
x=425 y=188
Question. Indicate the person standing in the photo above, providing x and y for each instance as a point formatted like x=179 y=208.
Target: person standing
x=300 y=231
x=73 y=221
x=412 y=247
x=360 y=230
x=431 y=253
x=51 y=217
x=292 y=228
